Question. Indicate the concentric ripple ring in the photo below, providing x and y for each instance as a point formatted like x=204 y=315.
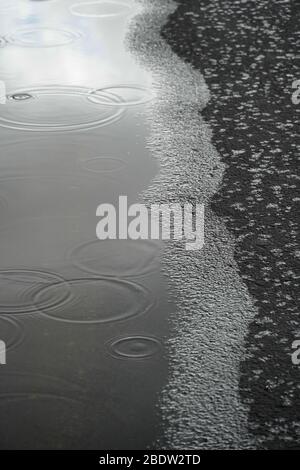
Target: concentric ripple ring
x=15 y=298
x=42 y=37
x=134 y=347
x=95 y=300
x=103 y=95
x=100 y=9
x=16 y=335
x=42 y=112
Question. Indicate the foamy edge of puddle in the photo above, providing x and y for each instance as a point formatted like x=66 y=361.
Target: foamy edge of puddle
x=200 y=405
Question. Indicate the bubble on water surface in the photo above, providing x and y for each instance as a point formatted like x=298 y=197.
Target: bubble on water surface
x=20 y=96
x=43 y=194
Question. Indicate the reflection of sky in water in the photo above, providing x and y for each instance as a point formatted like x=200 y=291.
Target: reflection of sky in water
x=52 y=181
x=97 y=59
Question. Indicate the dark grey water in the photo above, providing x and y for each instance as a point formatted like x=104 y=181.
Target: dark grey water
x=84 y=321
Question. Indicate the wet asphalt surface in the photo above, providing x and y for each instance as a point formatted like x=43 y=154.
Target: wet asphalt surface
x=131 y=345
x=247 y=53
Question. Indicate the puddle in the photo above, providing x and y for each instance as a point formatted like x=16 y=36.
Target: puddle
x=44 y=420
x=20 y=97
x=43 y=241
x=73 y=135
x=81 y=155
x=42 y=195
x=17 y=382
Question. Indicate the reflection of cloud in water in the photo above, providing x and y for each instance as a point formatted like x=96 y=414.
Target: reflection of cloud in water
x=98 y=59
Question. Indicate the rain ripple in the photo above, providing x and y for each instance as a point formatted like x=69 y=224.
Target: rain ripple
x=92 y=301
x=42 y=37
x=43 y=111
x=131 y=95
x=16 y=285
x=11 y=332
x=116 y=258
x=103 y=164
x=134 y=347
x=100 y=9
